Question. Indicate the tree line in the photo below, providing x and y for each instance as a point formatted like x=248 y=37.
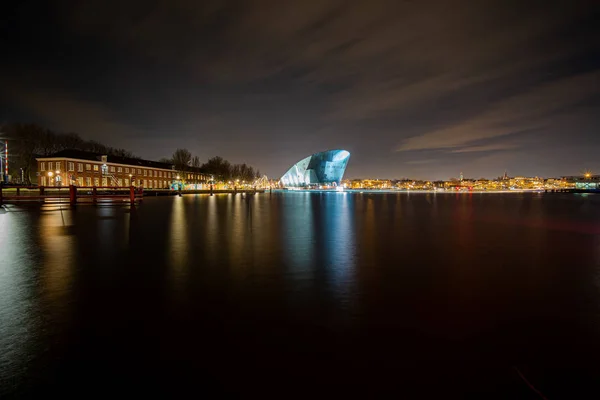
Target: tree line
x=218 y=167
x=28 y=141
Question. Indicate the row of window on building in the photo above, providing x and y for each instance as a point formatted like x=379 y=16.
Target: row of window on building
x=105 y=182
x=57 y=166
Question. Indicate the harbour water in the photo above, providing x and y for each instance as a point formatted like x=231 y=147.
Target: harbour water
x=454 y=294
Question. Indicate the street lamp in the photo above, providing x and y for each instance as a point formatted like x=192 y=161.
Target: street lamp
x=588 y=175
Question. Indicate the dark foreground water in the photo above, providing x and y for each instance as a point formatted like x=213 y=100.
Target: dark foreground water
x=295 y=294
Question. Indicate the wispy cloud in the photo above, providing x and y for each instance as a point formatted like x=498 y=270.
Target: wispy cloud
x=462 y=77
x=483 y=148
x=422 y=161
x=66 y=112
x=535 y=109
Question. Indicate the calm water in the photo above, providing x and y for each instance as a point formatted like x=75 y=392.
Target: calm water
x=303 y=292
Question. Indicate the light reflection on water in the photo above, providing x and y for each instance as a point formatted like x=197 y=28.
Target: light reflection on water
x=200 y=279
x=18 y=309
x=178 y=239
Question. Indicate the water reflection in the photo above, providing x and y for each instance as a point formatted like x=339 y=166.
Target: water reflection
x=178 y=239
x=58 y=244
x=298 y=233
x=18 y=311
x=340 y=241
x=108 y=229
x=320 y=243
x=295 y=271
x=239 y=233
x=212 y=228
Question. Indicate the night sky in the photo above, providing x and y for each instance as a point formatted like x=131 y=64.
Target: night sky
x=420 y=89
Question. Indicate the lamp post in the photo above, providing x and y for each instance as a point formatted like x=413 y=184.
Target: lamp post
x=4 y=163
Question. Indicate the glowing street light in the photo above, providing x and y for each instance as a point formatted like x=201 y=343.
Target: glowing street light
x=588 y=175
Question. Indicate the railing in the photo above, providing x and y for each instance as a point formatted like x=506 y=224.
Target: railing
x=74 y=194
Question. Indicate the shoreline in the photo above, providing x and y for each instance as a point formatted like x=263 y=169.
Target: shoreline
x=387 y=191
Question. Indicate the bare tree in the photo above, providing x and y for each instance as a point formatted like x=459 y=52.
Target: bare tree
x=120 y=153
x=196 y=162
x=182 y=159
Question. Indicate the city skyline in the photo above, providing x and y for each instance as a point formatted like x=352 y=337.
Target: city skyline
x=411 y=90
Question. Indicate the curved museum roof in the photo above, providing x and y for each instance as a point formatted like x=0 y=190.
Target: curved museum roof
x=325 y=168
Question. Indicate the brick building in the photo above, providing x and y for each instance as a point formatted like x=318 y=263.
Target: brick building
x=87 y=169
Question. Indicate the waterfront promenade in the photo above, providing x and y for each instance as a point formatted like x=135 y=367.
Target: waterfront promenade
x=73 y=194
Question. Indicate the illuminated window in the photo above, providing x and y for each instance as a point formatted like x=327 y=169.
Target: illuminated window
x=126 y=170
x=120 y=182
x=58 y=166
x=42 y=166
x=88 y=167
x=145 y=172
x=155 y=175
x=88 y=181
x=80 y=167
x=112 y=169
x=120 y=169
x=96 y=168
x=43 y=181
x=96 y=181
x=139 y=171
x=80 y=181
x=71 y=166
x=49 y=165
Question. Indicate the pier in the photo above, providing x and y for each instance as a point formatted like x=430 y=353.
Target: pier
x=97 y=194
x=70 y=194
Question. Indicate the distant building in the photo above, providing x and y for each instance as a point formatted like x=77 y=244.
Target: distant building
x=87 y=169
x=584 y=182
x=320 y=169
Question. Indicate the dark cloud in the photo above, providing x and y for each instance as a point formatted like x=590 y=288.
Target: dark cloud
x=469 y=84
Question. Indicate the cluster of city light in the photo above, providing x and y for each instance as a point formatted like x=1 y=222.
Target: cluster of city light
x=504 y=183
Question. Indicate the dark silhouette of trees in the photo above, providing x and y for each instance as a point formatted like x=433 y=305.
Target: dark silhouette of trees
x=182 y=159
x=196 y=162
x=218 y=167
x=224 y=170
x=28 y=141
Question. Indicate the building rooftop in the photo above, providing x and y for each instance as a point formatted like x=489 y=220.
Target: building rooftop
x=88 y=155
